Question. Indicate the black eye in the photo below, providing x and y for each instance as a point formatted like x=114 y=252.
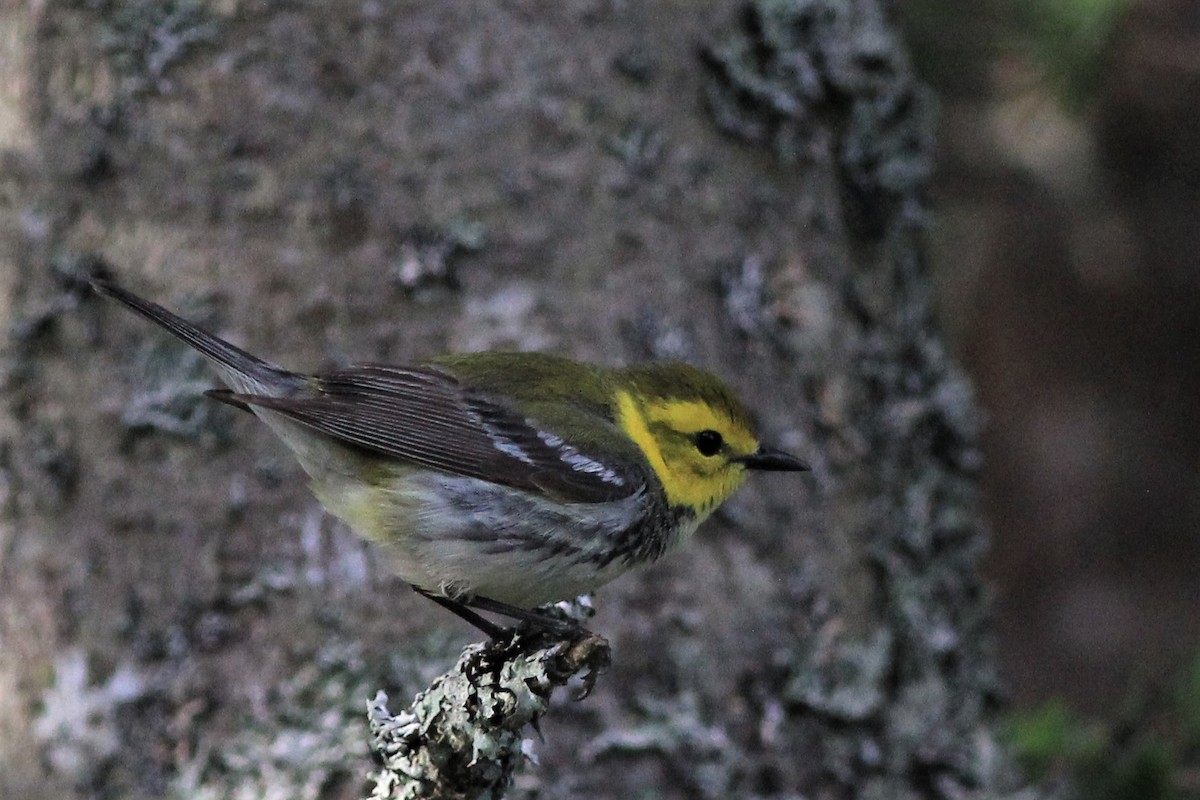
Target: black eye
x=709 y=442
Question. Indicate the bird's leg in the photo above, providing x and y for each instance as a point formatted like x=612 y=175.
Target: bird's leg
x=562 y=627
x=463 y=610
x=460 y=610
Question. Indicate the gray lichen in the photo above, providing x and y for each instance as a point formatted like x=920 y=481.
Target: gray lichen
x=306 y=740
x=903 y=698
x=77 y=723
x=173 y=381
x=145 y=40
x=851 y=688
x=464 y=736
x=426 y=257
x=796 y=70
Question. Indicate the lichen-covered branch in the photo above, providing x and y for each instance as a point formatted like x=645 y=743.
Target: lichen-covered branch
x=464 y=735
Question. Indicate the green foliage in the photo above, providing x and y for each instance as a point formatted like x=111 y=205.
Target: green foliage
x=1053 y=742
x=1067 y=40
x=1144 y=772
x=1188 y=703
x=1144 y=755
x=1059 y=45
x=1052 y=734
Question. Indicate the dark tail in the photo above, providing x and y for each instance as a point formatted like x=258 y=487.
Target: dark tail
x=247 y=373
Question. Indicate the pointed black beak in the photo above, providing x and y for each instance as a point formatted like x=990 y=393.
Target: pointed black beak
x=769 y=459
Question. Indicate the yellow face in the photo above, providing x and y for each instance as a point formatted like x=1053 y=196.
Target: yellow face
x=691 y=446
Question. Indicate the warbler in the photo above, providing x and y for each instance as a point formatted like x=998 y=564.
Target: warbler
x=500 y=480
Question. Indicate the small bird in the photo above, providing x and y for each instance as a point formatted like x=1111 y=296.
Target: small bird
x=500 y=481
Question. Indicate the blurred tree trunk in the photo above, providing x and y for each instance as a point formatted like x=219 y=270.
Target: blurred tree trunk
x=739 y=186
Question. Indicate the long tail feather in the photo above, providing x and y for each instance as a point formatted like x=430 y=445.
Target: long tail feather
x=243 y=371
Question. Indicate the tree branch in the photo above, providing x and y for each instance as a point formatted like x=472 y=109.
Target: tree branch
x=462 y=737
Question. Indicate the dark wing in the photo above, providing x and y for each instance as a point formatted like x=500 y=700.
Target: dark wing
x=426 y=416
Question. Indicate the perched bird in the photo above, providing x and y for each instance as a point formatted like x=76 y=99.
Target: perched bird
x=500 y=481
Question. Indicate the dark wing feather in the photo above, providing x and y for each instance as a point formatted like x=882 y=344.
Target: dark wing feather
x=428 y=417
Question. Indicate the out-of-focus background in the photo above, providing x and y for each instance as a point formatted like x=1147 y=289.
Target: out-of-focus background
x=1067 y=251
